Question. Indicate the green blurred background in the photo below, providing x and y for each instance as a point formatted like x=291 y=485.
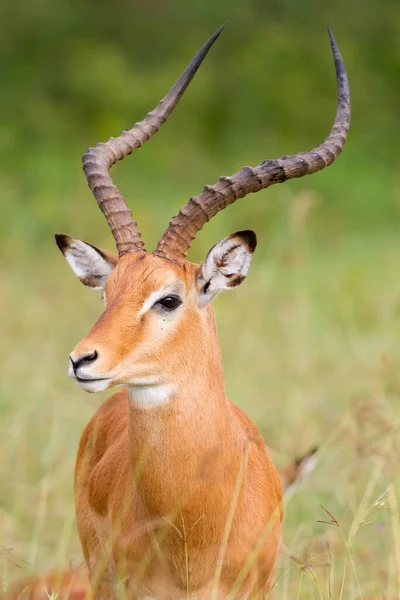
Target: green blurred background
x=310 y=341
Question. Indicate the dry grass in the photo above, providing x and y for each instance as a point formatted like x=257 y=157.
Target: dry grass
x=310 y=344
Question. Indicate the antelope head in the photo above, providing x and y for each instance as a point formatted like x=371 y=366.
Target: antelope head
x=158 y=319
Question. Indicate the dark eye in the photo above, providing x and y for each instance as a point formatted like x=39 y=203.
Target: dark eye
x=170 y=302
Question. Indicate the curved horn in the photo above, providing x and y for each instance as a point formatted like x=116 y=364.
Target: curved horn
x=183 y=228
x=98 y=161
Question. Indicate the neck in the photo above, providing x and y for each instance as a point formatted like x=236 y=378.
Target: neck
x=192 y=392
x=180 y=427
x=194 y=378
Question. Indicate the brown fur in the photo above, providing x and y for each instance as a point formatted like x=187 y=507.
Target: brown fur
x=74 y=584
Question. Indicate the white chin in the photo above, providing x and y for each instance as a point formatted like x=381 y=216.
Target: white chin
x=93 y=386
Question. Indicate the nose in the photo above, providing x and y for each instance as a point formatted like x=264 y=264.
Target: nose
x=84 y=360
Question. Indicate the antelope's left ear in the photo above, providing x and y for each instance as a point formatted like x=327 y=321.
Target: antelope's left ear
x=92 y=265
x=226 y=265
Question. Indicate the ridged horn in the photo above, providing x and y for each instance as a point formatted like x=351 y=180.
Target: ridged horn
x=98 y=161
x=183 y=228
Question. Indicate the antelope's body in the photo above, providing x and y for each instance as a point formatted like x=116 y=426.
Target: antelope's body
x=73 y=584
x=190 y=484
x=176 y=495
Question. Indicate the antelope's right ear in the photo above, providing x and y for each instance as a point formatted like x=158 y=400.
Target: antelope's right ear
x=226 y=265
x=92 y=265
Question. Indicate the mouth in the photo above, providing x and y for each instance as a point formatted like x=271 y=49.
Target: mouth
x=81 y=380
x=93 y=385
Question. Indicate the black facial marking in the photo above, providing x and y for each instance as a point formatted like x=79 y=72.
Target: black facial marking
x=249 y=237
x=224 y=259
x=90 y=281
x=236 y=281
x=206 y=287
x=63 y=241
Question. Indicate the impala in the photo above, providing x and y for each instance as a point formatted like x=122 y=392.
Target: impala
x=176 y=495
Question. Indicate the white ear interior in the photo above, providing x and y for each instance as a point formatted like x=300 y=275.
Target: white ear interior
x=226 y=265
x=88 y=263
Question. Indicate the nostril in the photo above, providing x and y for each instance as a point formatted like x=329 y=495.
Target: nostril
x=87 y=358
x=90 y=357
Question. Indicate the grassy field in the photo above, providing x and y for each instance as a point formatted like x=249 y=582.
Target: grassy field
x=314 y=360
x=310 y=340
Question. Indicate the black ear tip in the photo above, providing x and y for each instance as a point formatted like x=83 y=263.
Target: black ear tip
x=62 y=241
x=248 y=237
